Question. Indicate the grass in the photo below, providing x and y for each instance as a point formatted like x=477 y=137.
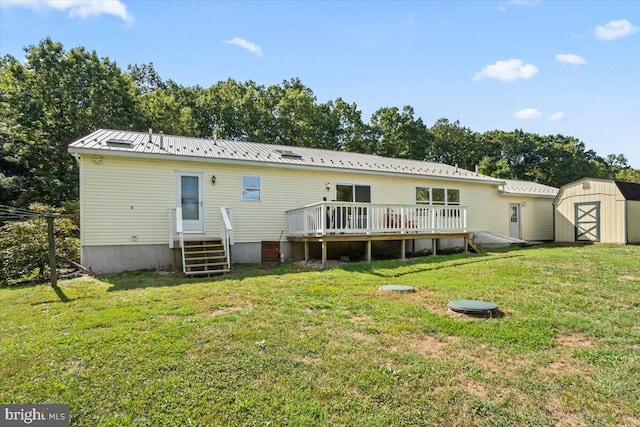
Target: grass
x=307 y=348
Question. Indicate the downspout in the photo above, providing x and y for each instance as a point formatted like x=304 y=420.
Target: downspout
x=78 y=158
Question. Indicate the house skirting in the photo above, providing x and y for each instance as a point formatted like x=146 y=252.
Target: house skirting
x=121 y=258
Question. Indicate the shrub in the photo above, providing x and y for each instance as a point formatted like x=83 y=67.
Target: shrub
x=24 y=246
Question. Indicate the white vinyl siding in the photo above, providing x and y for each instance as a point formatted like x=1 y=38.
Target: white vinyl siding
x=122 y=198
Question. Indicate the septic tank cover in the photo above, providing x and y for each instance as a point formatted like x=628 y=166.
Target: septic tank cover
x=396 y=288
x=472 y=306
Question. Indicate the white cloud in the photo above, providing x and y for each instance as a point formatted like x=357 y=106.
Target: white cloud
x=77 y=8
x=247 y=45
x=527 y=114
x=614 y=30
x=570 y=58
x=512 y=69
x=557 y=116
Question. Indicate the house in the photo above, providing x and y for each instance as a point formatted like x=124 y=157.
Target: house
x=148 y=199
x=598 y=210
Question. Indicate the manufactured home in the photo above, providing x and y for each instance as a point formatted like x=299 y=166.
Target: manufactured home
x=599 y=211
x=149 y=200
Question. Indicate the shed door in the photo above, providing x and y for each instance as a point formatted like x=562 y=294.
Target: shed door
x=514 y=221
x=587 y=216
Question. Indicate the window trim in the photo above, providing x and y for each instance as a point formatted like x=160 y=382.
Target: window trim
x=243 y=187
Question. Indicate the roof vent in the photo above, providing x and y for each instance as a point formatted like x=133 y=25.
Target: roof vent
x=122 y=143
x=288 y=154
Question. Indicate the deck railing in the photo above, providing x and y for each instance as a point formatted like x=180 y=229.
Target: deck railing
x=324 y=218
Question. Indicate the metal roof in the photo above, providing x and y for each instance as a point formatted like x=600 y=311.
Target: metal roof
x=515 y=187
x=136 y=144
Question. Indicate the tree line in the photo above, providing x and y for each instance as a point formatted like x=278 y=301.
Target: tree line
x=55 y=96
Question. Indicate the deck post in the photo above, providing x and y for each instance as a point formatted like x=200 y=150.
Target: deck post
x=434 y=246
x=306 y=251
x=403 y=250
x=368 y=250
x=324 y=252
x=466 y=244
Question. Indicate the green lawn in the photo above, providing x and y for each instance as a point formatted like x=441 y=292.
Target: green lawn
x=308 y=348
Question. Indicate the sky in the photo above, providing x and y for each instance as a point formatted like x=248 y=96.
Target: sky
x=549 y=67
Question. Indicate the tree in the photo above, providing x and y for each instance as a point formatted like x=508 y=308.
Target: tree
x=52 y=98
x=24 y=245
x=160 y=110
x=456 y=144
x=146 y=78
x=398 y=134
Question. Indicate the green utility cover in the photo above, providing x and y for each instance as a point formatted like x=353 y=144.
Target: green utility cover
x=396 y=288
x=471 y=306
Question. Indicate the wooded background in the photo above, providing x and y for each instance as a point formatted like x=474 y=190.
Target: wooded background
x=56 y=96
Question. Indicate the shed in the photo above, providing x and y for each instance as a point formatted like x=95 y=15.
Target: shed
x=598 y=210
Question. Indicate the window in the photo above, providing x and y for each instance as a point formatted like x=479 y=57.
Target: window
x=353 y=193
x=250 y=188
x=288 y=154
x=437 y=196
x=423 y=196
x=453 y=196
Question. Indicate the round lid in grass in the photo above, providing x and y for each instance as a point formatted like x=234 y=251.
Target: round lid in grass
x=396 y=288
x=471 y=306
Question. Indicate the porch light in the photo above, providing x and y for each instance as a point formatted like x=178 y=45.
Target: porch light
x=213 y=179
x=328 y=186
x=98 y=159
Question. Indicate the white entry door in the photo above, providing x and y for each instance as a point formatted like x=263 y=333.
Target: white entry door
x=189 y=194
x=515 y=221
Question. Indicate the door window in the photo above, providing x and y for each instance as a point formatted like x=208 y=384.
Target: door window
x=190 y=196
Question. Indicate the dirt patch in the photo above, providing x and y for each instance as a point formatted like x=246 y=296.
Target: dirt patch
x=306 y=360
x=575 y=341
x=563 y=368
x=221 y=311
x=428 y=345
x=628 y=278
x=472 y=387
x=361 y=319
x=363 y=336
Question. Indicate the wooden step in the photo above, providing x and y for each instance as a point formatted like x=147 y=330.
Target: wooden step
x=200 y=258
x=205 y=272
x=204 y=257
x=207 y=264
x=192 y=251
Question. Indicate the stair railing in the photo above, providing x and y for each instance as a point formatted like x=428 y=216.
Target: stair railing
x=226 y=233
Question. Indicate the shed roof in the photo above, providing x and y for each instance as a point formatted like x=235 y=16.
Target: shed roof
x=142 y=144
x=630 y=190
